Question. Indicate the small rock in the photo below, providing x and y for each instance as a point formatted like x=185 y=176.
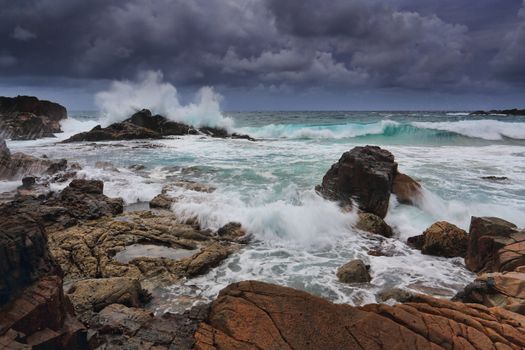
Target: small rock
x=28 y=182
x=354 y=271
x=162 y=201
x=406 y=189
x=495 y=178
x=397 y=294
x=374 y=224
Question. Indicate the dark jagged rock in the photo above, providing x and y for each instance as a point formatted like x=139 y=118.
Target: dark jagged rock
x=365 y=174
x=81 y=200
x=441 y=239
x=144 y=125
x=495 y=245
x=27 y=117
x=495 y=178
x=513 y=111
x=257 y=315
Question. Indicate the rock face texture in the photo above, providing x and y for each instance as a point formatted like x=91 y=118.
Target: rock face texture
x=442 y=239
x=33 y=309
x=406 y=189
x=28 y=118
x=495 y=245
x=257 y=315
x=90 y=250
x=364 y=174
x=374 y=224
x=144 y=125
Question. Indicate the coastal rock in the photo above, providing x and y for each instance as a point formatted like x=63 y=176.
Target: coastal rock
x=513 y=111
x=354 y=271
x=5 y=154
x=406 y=189
x=91 y=249
x=92 y=295
x=28 y=118
x=144 y=125
x=374 y=224
x=81 y=200
x=251 y=315
x=121 y=327
x=397 y=294
x=495 y=245
x=506 y=290
x=161 y=201
x=442 y=239
x=365 y=174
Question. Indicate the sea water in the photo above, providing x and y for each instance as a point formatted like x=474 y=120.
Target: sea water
x=268 y=186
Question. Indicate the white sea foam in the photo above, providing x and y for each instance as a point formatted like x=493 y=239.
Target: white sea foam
x=483 y=129
x=150 y=91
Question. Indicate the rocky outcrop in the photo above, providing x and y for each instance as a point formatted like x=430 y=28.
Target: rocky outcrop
x=28 y=118
x=441 y=239
x=374 y=224
x=354 y=271
x=257 y=315
x=364 y=174
x=81 y=200
x=33 y=309
x=513 y=111
x=506 y=290
x=144 y=125
x=92 y=249
x=406 y=189
x=495 y=245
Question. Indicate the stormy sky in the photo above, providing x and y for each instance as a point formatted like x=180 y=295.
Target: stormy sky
x=272 y=54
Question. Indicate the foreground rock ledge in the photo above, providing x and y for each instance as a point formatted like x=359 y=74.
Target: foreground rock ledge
x=257 y=315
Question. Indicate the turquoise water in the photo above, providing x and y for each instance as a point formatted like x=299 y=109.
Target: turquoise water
x=300 y=239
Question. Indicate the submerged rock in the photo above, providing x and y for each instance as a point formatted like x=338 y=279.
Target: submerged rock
x=441 y=239
x=251 y=314
x=374 y=224
x=28 y=118
x=354 y=271
x=365 y=174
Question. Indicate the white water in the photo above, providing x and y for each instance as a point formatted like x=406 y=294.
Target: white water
x=484 y=129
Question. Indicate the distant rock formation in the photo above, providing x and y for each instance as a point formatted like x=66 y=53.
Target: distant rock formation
x=513 y=111
x=144 y=125
x=28 y=118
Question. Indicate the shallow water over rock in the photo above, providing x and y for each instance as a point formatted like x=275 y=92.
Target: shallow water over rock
x=152 y=251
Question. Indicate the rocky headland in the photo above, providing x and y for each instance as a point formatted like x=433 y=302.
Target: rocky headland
x=513 y=111
x=79 y=272
x=28 y=118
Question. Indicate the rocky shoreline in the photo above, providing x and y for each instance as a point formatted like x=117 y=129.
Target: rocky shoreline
x=78 y=272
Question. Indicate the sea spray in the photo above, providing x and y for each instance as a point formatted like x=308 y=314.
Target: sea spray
x=150 y=91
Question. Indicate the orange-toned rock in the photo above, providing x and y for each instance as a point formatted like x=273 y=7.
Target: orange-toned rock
x=495 y=245
x=442 y=239
x=406 y=189
x=257 y=315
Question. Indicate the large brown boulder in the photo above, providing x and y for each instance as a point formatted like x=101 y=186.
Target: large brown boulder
x=27 y=117
x=442 y=239
x=406 y=189
x=365 y=174
x=495 y=245
x=354 y=271
x=257 y=315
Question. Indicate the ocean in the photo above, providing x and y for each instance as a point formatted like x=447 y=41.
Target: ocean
x=299 y=239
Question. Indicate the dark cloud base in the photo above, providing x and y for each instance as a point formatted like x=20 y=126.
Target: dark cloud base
x=270 y=48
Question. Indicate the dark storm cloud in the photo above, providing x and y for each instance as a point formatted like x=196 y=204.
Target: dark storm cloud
x=294 y=44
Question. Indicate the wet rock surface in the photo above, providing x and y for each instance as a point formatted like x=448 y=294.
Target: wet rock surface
x=441 y=239
x=365 y=174
x=88 y=250
x=354 y=271
x=406 y=189
x=374 y=224
x=28 y=118
x=251 y=315
x=144 y=125
x=495 y=245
